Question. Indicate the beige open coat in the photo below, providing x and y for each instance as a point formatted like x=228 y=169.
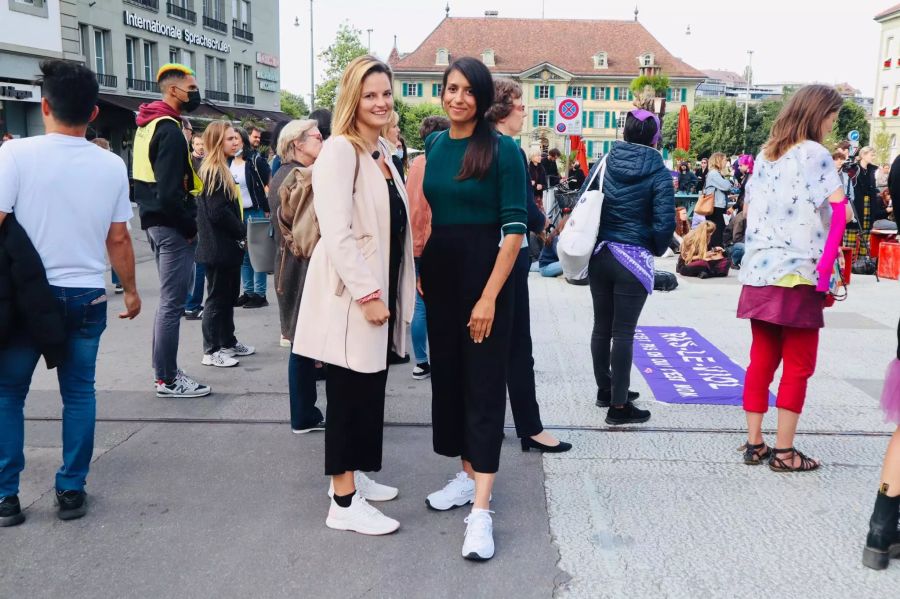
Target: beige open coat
x=351 y=261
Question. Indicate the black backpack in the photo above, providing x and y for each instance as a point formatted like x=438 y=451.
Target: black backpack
x=664 y=281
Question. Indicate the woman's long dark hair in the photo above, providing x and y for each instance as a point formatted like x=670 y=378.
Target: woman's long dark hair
x=480 y=152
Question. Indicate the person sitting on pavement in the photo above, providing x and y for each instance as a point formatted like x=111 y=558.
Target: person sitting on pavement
x=699 y=257
x=222 y=240
x=548 y=262
x=794 y=189
x=350 y=284
x=299 y=144
x=251 y=172
x=420 y=218
x=63 y=208
x=164 y=188
x=636 y=224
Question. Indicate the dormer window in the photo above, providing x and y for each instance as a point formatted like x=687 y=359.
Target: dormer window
x=487 y=57
x=601 y=60
x=442 y=58
x=647 y=60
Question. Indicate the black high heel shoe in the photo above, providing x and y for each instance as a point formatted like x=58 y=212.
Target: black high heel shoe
x=528 y=443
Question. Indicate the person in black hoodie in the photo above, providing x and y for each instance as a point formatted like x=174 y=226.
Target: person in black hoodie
x=252 y=175
x=164 y=187
x=866 y=201
x=222 y=235
x=636 y=224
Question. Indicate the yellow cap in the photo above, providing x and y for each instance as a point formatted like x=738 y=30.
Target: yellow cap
x=172 y=66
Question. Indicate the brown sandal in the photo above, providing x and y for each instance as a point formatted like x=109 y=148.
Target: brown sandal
x=752 y=457
x=777 y=464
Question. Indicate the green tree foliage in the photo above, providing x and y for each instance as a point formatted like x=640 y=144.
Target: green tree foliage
x=719 y=127
x=659 y=83
x=411 y=116
x=293 y=105
x=882 y=143
x=852 y=117
x=346 y=46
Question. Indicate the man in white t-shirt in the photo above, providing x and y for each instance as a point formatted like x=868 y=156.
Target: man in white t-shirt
x=71 y=198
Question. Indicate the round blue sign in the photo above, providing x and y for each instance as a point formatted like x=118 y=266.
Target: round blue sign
x=853 y=135
x=560 y=127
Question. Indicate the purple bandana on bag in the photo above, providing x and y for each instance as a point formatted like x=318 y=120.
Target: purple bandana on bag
x=638 y=261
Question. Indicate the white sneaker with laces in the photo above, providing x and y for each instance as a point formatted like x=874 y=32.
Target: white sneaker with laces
x=479 y=543
x=368 y=488
x=285 y=342
x=360 y=517
x=219 y=359
x=457 y=493
x=182 y=386
x=239 y=349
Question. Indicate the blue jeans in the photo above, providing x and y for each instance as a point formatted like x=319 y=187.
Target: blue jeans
x=115 y=277
x=252 y=281
x=85 y=320
x=554 y=269
x=195 y=297
x=736 y=253
x=419 y=327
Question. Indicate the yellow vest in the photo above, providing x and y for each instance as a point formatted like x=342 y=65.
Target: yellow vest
x=142 y=169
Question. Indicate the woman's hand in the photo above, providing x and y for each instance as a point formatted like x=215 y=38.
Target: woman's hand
x=419 y=286
x=376 y=312
x=540 y=187
x=481 y=320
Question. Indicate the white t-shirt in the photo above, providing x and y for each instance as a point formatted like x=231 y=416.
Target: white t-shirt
x=65 y=192
x=787 y=219
x=240 y=177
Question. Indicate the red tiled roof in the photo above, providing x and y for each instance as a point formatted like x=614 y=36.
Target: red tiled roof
x=569 y=44
x=888 y=12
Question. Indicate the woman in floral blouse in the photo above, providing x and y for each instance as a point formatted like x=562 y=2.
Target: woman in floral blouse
x=790 y=200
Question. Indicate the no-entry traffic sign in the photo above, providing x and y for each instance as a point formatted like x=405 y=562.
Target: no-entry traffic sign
x=568 y=109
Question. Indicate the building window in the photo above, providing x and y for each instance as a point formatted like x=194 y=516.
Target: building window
x=442 y=57
x=241 y=20
x=174 y=54
x=622 y=93
x=150 y=60
x=412 y=90
x=575 y=92
x=85 y=42
x=437 y=89
x=601 y=60
x=100 y=38
x=543 y=118
x=884 y=93
x=543 y=92
x=887 y=47
x=187 y=59
x=487 y=57
x=621 y=123
x=130 y=68
x=36 y=8
x=647 y=60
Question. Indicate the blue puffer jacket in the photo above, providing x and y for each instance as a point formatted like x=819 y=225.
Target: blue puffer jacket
x=639 y=198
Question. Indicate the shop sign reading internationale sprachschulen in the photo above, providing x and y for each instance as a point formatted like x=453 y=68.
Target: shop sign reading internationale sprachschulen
x=176 y=33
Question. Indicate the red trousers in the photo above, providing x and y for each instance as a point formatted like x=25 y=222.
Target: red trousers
x=772 y=345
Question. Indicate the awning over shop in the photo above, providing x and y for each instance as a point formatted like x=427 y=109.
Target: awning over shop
x=205 y=112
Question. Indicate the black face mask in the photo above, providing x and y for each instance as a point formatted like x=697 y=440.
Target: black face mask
x=193 y=101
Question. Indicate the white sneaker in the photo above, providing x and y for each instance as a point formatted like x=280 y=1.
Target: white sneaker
x=285 y=342
x=219 y=359
x=360 y=517
x=458 y=492
x=368 y=488
x=479 y=543
x=239 y=349
x=182 y=386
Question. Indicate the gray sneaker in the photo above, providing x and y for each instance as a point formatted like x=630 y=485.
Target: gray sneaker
x=182 y=386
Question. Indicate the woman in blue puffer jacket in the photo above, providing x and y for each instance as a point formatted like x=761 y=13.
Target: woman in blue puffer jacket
x=636 y=223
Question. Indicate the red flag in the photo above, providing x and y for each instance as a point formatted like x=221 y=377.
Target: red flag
x=581 y=157
x=683 y=139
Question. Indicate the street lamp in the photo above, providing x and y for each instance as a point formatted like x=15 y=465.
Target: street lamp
x=747 y=99
x=369 y=31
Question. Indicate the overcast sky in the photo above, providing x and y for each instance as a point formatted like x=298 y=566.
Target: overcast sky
x=792 y=40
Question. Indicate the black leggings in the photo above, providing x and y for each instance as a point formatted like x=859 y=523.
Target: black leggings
x=718 y=217
x=520 y=378
x=223 y=284
x=618 y=300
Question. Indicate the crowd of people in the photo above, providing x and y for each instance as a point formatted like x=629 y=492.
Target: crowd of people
x=436 y=250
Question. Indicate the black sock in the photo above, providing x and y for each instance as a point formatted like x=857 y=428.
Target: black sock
x=344 y=500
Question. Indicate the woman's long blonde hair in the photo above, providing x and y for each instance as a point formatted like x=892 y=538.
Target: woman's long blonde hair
x=696 y=243
x=801 y=119
x=349 y=95
x=718 y=162
x=395 y=120
x=214 y=171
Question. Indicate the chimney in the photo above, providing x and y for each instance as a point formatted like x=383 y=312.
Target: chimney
x=492 y=13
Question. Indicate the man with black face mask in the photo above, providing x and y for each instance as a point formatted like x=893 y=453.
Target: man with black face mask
x=165 y=186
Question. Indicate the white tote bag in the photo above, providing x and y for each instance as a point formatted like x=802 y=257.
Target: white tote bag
x=579 y=238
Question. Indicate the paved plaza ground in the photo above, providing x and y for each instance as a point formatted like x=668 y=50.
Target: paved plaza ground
x=214 y=497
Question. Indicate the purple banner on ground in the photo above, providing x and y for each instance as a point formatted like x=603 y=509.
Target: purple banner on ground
x=681 y=366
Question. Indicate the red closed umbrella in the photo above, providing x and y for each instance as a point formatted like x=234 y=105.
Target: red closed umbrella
x=683 y=141
x=581 y=157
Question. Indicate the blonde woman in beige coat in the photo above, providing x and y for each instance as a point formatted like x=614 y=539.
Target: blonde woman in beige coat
x=359 y=293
